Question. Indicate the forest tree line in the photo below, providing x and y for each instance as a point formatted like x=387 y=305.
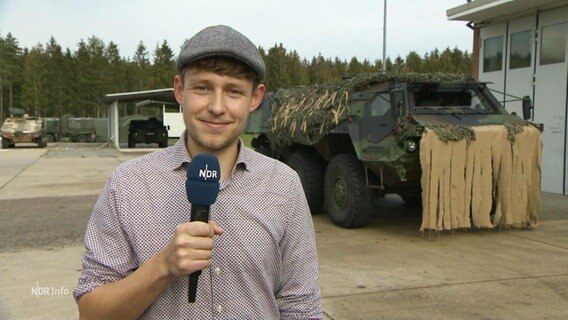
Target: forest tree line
x=49 y=81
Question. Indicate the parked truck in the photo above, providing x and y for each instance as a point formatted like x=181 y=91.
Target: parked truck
x=438 y=140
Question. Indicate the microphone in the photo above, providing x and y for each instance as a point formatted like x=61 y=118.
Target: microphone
x=201 y=187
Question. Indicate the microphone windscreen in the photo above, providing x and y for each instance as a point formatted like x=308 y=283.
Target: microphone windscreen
x=202 y=184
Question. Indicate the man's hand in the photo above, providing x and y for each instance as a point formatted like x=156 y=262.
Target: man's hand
x=190 y=248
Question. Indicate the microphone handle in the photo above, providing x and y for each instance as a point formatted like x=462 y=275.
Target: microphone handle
x=198 y=213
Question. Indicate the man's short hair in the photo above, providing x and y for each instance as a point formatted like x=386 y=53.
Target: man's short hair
x=224 y=66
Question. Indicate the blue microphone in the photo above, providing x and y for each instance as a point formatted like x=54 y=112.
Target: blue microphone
x=201 y=187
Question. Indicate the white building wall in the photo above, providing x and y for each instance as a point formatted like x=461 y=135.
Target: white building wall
x=544 y=81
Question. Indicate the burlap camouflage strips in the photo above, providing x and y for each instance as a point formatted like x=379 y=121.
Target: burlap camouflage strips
x=306 y=114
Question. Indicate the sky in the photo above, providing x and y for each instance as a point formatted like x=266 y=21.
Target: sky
x=332 y=28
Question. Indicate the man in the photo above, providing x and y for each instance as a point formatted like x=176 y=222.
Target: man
x=257 y=254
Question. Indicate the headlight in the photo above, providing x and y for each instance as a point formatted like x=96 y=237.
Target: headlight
x=411 y=146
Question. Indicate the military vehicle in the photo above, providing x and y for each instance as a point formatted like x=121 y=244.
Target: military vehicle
x=78 y=129
x=53 y=131
x=430 y=138
x=21 y=128
x=147 y=131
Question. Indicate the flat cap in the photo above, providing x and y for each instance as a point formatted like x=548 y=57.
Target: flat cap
x=221 y=41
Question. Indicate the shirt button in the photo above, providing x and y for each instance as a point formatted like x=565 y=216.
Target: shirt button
x=219 y=308
x=217 y=271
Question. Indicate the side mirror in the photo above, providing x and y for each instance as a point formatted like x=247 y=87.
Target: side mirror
x=397 y=102
x=527 y=107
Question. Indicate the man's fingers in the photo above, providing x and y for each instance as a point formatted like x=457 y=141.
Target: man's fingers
x=193 y=254
x=200 y=229
x=195 y=243
x=191 y=247
x=217 y=230
x=194 y=228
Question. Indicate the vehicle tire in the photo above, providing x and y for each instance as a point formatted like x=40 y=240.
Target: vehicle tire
x=164 y=142
x=82 y=138
x=311 y=168
x=131 y=142
x=5 y=144
x=50 y=137
x=347 y=197
x=42 y=142
x=260 y=144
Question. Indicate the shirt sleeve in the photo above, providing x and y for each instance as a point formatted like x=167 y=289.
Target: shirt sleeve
x=299 y=294
x=108 y=256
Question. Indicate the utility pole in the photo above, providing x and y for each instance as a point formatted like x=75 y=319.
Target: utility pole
x=385 y=37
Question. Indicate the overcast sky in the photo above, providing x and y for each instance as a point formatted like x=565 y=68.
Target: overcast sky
x=342 y=28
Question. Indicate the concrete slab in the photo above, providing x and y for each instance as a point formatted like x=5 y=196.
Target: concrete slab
x=38 y=284
x=386 y=270
x=62 y=169
x=14 y=163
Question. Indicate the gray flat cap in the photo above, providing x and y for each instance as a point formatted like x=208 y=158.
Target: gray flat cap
x=221 y=41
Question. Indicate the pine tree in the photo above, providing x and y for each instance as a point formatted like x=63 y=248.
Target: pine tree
x=141 y=65
x=163 y=69
x=10 y=72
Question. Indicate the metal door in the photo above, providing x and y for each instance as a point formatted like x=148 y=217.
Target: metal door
x=492 y=57
x=520 y=62
x=550 y=101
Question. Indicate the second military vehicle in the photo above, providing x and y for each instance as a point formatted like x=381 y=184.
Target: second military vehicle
x=21 y=128
x=147 y=131
x=439 y=140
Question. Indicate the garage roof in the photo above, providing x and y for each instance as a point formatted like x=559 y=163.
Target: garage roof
x=166 y=95
x=480 y=11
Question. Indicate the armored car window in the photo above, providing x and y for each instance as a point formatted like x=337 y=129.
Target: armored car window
x=380 y=105
x=430 y=98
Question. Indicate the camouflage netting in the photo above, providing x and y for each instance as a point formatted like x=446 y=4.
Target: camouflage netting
x=491 y=181
x=305 y=114
x=453 y=132
x=458 y=132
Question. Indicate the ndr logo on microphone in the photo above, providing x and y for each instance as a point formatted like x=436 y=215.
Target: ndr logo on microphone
x=208 y=174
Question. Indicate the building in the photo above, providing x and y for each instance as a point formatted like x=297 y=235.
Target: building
x=520 y=46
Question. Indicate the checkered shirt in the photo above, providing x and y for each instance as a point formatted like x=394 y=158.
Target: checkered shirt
x=264 y=266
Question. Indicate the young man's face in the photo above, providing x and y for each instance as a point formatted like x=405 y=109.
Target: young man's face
x=215 y=108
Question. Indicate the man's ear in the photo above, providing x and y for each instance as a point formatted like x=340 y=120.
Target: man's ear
x=178 y=89
x=257 y=96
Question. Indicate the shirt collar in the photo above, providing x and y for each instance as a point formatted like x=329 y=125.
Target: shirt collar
x=180 y=155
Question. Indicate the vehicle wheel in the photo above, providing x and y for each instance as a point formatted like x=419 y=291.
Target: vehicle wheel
x=347 y=197
x=50 y=138
x=131 y=142
x=261 y=145
x=5 y=144
x=311 y=168
x=164 y=142
x=82 y=138
x=42 y=142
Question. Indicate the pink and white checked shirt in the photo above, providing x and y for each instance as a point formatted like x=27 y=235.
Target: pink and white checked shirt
x=264 y=266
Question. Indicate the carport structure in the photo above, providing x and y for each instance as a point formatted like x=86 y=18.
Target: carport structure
x=113 y=99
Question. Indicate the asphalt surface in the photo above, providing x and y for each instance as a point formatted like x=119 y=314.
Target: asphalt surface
x=42 y=223
x=386 y=270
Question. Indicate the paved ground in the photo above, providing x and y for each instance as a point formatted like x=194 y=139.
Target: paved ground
x=387 y=270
